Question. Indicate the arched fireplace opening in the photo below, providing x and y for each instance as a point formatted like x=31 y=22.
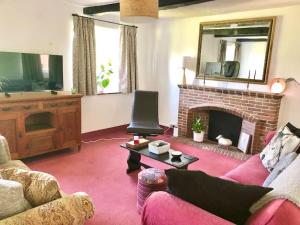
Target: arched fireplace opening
x=225 y=124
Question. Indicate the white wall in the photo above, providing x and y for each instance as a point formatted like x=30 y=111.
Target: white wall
x=46 y=26
x=179 y=37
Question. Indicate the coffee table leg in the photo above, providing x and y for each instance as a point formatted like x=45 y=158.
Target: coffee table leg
x=184 y=167
x=133 y=161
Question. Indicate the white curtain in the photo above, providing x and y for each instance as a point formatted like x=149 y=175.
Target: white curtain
x=128 y=59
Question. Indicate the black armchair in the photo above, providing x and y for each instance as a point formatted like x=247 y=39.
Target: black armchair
x=144 y=118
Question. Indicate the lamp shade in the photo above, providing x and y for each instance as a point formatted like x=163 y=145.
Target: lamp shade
x=277 y=85
x=138 y=11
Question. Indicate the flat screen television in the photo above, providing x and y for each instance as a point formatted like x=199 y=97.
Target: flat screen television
x=30 y=72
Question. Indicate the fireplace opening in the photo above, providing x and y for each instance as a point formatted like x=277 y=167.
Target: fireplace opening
x=225 y=124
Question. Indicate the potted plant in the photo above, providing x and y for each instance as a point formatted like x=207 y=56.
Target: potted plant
x=198 y=130
x=103 y=79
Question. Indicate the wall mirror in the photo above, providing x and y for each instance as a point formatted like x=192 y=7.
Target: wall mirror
x=236 y=50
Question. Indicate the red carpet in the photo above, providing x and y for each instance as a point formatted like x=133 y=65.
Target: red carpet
x=100 y=170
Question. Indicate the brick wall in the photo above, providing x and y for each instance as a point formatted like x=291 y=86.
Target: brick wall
x=258 y=110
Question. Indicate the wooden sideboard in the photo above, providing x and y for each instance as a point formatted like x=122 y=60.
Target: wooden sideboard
x=37 y=123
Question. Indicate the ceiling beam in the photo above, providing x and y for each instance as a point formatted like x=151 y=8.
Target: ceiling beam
x=163 y=4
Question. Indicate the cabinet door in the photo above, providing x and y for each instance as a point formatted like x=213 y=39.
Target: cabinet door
x=70 y=127
x=9 y=129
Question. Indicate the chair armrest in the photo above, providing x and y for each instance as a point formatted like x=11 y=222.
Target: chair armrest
x=69 y=210
x=4 y=150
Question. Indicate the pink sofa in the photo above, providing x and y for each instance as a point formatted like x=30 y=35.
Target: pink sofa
x=164 y=208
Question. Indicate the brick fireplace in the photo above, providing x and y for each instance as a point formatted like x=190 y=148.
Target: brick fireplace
x=259 y=111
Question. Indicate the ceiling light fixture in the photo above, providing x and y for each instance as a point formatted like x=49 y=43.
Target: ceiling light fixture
x=138 y=11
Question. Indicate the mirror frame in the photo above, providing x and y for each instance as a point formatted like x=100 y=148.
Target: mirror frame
x=272 y=21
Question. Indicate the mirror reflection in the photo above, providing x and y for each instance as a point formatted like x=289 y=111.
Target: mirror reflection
x=235 y=50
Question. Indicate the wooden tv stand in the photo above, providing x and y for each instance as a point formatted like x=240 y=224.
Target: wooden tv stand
x=36 y=123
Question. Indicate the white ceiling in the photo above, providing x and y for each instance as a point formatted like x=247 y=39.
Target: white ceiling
x=208 y=8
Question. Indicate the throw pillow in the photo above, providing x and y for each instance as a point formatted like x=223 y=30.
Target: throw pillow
x=296 y=131
x=4 y=150
x=223 y=198
x=280 y=166
x=12 y=199
x=285 y=186
x=39 y=188
x=283 y=142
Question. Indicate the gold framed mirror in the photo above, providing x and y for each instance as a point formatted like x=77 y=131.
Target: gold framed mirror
x=236 y=50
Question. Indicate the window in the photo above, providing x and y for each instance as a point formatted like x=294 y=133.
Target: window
x=230 y=52
x=107 y=59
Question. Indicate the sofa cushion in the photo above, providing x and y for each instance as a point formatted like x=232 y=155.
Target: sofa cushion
x=4 y=150
x=14 y=164
x=162 y=208
x=223 y=198
x=12 y=199
x=285 y=186
x=280 y=166
x=283 y=142
x=250 y=172
x=39 y=188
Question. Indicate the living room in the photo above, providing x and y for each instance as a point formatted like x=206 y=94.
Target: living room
x=167 y=55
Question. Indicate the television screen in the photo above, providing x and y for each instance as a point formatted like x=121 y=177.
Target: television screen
x=30 y=72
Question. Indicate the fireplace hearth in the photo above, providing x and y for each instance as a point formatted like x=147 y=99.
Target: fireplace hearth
x=232 y=111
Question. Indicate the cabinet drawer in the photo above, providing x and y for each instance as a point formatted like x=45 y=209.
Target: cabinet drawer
x=18 y=108
x=61 y=104
x=42 y=143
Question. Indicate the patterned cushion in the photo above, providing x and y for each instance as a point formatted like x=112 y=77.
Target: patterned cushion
x=4 y=150
x=280 y=166
x=12 y=199
x=152 y=176
x=39 y=188
x=283 y=142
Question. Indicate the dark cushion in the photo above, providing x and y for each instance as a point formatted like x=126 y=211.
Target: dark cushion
x=223 y=198
x=294 y=130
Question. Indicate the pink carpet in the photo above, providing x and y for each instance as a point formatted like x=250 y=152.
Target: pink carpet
x=99 y=169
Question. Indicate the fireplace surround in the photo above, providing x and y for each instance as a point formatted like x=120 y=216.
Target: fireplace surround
x=258 y=110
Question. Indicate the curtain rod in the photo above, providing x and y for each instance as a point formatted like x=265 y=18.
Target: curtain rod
x=105 y=21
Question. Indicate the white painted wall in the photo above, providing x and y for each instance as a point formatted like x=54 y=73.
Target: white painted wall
x=177 y=38
x=46 y=27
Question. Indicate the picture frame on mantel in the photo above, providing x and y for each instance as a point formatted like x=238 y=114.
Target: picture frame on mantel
x=244 y=142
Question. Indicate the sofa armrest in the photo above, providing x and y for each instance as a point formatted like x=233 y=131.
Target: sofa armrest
x=68 y=210
x=268 y=137
x=279 y=211
x=164 y=208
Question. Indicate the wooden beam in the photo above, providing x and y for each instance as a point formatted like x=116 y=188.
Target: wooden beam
x=163 y=4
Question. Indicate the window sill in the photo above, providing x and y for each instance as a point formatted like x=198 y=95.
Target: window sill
x=113 y=93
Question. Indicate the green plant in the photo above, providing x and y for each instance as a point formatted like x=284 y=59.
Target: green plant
x=103 y=79
x=197 y=125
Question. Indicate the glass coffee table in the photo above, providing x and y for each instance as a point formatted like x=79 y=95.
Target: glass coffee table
x=134 y=159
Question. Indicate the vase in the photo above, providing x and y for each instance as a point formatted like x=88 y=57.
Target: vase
x=198 y=137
